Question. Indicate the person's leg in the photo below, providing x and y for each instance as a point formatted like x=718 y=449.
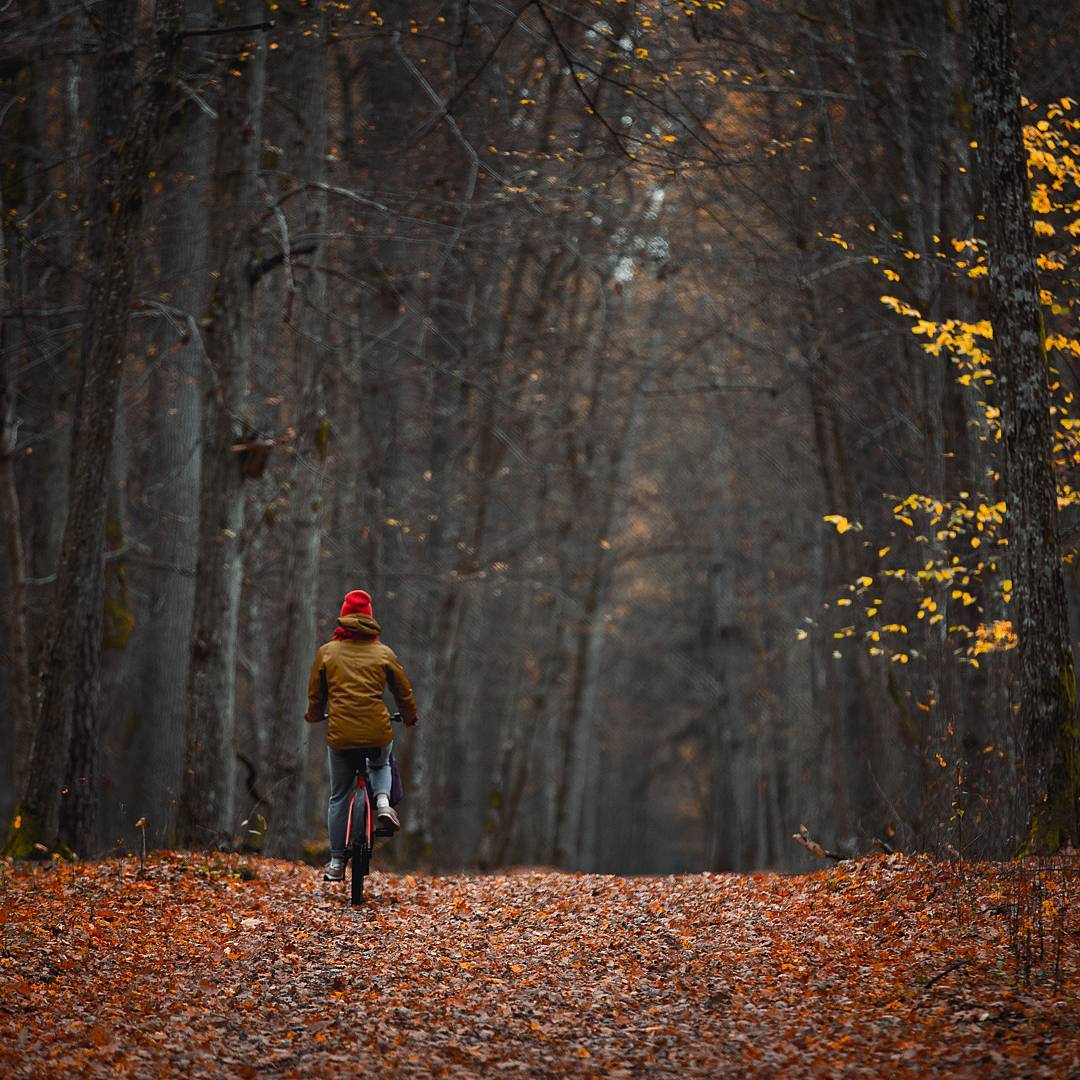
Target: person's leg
x=381 y=781
x=342 y=777
x=379 y=772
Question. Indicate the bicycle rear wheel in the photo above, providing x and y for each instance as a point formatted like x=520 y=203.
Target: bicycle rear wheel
x=360 y=854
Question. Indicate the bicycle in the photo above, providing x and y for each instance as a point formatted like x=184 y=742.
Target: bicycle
x=360 y=831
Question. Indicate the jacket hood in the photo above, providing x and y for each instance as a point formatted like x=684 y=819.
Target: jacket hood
x=361 y=625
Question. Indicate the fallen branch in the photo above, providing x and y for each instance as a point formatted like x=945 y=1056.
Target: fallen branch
x=941 y=974
x=804 y=838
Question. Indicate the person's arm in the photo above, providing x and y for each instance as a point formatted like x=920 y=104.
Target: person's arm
x=318 y=692
x=400 y=687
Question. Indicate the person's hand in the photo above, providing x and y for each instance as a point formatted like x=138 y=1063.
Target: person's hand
x=413 y=722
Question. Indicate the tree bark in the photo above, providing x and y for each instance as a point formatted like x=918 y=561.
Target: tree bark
x=1045 y=687
x=577 y=731
x=73 y=643
x=19 y=719
x=172 y=477
x=310 y=347
x=207 y=782
x=27 y=86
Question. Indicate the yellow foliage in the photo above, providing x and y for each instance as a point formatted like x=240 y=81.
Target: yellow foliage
x=842 y=524
x=998 y=636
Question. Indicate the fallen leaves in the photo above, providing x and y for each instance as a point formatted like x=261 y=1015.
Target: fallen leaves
x=216 y=964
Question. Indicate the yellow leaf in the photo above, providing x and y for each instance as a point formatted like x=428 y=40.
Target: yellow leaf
x=842 y=524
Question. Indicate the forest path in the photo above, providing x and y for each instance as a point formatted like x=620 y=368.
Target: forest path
x=879 y=967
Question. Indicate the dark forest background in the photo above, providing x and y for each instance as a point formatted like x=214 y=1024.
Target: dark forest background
x=558 y=327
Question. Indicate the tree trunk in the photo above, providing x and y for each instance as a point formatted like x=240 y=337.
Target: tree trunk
x=310 y=349
x=172 y=478
x=73 y=642
x=19 y=719
x=1045 y=686
x=577 y=733
x=206 y=788
x=27 y=87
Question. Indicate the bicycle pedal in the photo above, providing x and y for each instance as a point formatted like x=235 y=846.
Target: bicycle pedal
x=384 y=832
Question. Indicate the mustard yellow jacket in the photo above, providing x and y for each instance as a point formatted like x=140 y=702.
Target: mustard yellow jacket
x=348 y=680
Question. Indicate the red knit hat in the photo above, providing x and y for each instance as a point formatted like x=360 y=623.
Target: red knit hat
x=357 y=602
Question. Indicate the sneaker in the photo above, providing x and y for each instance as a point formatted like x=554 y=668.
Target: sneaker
x=334 y=870
x=385 y=818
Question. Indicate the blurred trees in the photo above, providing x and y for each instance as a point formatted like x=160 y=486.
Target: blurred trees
x=561 y=331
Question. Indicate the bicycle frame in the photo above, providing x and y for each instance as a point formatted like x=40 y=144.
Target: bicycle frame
x=359 y=849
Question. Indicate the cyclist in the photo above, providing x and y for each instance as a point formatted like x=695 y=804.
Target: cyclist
x=348 y=679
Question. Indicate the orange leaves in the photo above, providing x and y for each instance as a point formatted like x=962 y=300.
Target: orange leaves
x=856 y=968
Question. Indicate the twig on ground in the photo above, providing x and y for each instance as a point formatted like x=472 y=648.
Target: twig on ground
x=945 y=971
x=804 y=838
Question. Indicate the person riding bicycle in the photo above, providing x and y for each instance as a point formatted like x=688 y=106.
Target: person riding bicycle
x=348 y=679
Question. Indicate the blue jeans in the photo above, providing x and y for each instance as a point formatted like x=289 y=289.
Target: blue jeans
x=343 y=765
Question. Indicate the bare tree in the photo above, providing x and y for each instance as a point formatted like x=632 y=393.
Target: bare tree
x=310 y=349
x=230 y=449
x=172 y=482
x=1046 y=671
x=67 y=729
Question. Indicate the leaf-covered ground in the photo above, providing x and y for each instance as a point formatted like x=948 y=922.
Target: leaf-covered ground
x=880 y=967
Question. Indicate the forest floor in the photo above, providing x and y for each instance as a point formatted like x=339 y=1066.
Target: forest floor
x=233 y=966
